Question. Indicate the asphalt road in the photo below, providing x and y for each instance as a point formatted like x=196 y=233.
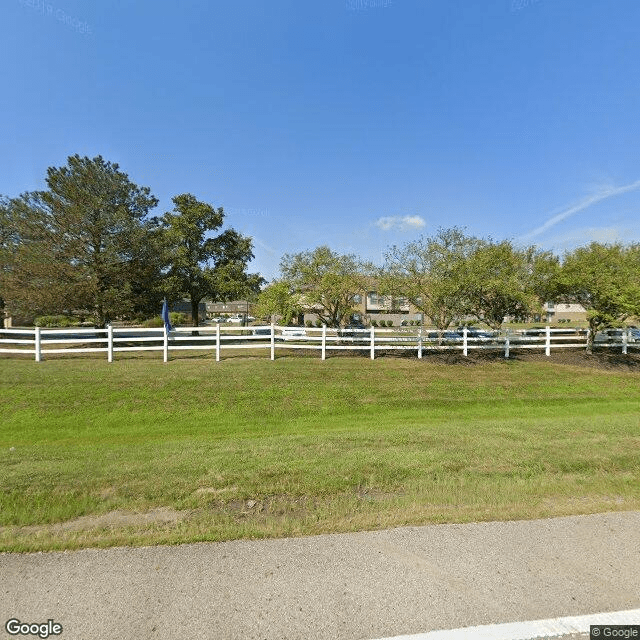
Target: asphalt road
x=350 y=586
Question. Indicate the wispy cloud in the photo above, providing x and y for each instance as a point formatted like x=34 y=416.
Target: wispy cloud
x=581 y=237
x=263 y=245
x=602 y=194
x=400 y=223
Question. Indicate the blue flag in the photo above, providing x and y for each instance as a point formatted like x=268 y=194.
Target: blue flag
x=165 y=316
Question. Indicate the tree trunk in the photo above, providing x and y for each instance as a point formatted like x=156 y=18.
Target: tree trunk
x=590 y=338
x=194 y=312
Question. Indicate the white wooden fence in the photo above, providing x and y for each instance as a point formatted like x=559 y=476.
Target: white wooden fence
x=40 y=342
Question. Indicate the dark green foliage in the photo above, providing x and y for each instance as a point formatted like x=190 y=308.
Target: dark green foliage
x=83 y=245
x=203 y=266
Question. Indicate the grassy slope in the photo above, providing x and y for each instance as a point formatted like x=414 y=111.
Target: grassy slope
x=319 y=446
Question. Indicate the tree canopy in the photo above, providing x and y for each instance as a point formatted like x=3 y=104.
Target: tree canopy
x=431 y=273
x=502 y=280
x=79 y=240
x=326 y=282
x=279 y=299
x=605 y=280
x=203 y=266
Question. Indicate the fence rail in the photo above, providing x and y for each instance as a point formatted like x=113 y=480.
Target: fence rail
x=40 y=342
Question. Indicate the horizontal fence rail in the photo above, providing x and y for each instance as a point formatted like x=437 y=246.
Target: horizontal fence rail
x=40 y=342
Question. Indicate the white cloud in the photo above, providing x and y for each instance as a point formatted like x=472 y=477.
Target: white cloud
x=602 y=194
x=400 y=223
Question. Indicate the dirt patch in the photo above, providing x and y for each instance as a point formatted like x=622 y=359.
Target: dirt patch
x=596 y=360
x=111 y=520
x=570 y=357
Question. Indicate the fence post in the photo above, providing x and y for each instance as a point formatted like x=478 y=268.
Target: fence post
x=464 y=341
x=165 y=348
x=218 y=342
x=419 y=343
x=373 y=343
x=38 y=345
x=625 y=340
x=547 y=343
x=506 y=344
x=109 y=343
x=324 y=342
x=273 y=341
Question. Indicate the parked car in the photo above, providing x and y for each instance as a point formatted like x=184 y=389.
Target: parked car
x=236 y=319
x=474 y=332
x=612 y=335
x=293 y=333
x=262 y=331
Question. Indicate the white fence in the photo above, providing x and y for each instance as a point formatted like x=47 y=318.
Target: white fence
x=42 y=342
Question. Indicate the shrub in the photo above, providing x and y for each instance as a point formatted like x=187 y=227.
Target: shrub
x=319 y=324
x=175 y=318
x=308 y=323
x=153 y=323
x=56 y=321
x=389 y=323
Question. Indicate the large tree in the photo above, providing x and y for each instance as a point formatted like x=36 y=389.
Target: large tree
x=82 y=242
x=502 y=280
x=431 y=273
x=8 y=244
x=325 y=282
x=202 y=266
x=605 y=280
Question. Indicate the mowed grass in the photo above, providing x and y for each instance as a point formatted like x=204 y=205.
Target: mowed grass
x=141 y=452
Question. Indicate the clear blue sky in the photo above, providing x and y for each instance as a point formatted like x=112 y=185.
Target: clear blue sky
x=352 y=123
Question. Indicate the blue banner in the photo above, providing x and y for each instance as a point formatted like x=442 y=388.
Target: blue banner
x=165 y=316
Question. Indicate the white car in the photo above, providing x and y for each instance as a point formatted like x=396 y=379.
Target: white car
x=293 y=333
x=236 y=319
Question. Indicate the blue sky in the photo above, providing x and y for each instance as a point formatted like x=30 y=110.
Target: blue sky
x=353 y=123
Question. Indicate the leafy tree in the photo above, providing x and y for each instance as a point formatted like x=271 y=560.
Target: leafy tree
x=278 y=299
x=502 y=280
x=326 y=282
x=604 y=279
x=80 y=241
x=543 y=267
x=38 y=279
x=431 y=273
x=202 y=266
x=7 y=246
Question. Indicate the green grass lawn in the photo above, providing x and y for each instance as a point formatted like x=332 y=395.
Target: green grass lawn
x=248 y=448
